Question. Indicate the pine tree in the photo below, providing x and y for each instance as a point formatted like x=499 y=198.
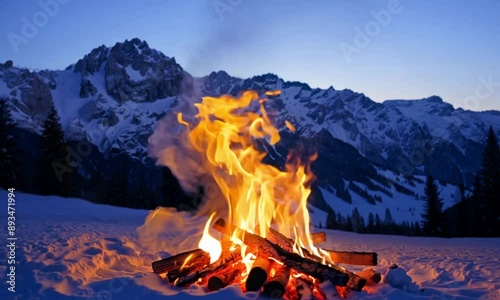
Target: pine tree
x=388 y=220
x=388 y=225
x=348 y=224
x=411 y=229
x=417 y=229
x=118 y=191
x=331 y=219
x=489 y=193
x=8 y=148
x=432 y=216
x=371 y=223
x=52 y=165
x=378 y=224
x=355 y=220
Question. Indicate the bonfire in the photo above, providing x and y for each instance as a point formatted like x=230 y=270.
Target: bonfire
x=264 y=242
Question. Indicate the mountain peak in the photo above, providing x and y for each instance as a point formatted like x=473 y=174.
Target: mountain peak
x=434 y=99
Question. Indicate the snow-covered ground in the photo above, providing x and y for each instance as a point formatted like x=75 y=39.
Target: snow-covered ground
x=72 y=249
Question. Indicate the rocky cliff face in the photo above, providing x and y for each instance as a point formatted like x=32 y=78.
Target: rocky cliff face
x=132 y=72
x=31 y=92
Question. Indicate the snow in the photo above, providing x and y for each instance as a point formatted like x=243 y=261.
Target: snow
x=135 y=75
x=403 y=207
x=72 y=249
x=397 y=277
x=4 y=89
x=66 y=96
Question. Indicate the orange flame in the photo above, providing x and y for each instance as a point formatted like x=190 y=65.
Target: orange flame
x=210 y=244
x=256 y=193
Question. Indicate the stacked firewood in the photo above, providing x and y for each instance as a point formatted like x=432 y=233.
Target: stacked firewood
x=277 y=271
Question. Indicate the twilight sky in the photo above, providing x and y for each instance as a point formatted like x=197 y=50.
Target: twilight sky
x=387 y=49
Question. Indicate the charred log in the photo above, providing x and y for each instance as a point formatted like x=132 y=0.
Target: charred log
x=353 y=258
x=372 y=277
x=292 y=260
x=258 y=274
x=343 y=257
x=196 y=257
x=224 y=278
x=276 y=285
x=220 y=264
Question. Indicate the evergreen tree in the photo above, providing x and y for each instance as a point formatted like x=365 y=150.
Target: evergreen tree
x=489 y=194
x=371 y=223
x=340 y=221
x=358 y=223
x=362 y=224
x=378 y=224
x=8 y=148
x=388 y=225
x=461 y=190
x=52 y=165
x=98 y=188
x=142 y=197
x=331 y=219
x=418 y=230
x=411 y=229
x=388 y=220
x=348 y=224
x=432 y=216
x=118 y=187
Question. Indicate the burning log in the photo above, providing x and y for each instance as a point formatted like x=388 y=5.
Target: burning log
x=196 y=257
x=355 y=282
x=221 y=263
x=353 y=258
x=292 y=260
x=276 y=285
x=318 y=237
x=225 y=277
x=343 y=257
x=258 y=274
x=372 y=277
x=256 y=243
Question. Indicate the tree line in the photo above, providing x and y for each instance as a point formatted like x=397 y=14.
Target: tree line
x=476 y=214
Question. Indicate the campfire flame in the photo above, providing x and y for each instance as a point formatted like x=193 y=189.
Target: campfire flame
x=226 y=134
x=210 y=244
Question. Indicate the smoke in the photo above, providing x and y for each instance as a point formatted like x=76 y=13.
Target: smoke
x=170 y=146
x=223 y=40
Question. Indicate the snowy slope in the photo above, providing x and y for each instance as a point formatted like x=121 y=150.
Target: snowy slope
x=73 y=249
x=402 y=206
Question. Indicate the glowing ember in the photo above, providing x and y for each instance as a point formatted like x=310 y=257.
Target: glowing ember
x=209 y=244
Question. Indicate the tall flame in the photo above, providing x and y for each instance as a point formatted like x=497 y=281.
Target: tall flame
x=228 y=136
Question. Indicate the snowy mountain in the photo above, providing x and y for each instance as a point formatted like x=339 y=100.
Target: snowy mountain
x=114 y=96
x=410 y=136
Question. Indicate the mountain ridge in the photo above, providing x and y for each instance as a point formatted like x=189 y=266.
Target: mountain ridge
x=114 y=97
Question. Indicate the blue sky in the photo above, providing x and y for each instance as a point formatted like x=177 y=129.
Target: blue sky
x=413 y=49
